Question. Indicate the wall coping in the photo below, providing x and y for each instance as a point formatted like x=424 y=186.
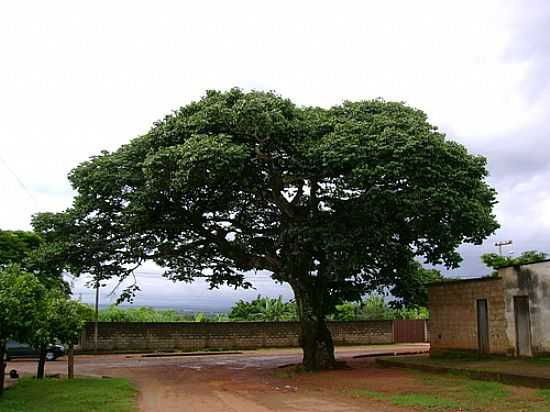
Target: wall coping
x=460 y=281
x=524 y=264
x=262 y=323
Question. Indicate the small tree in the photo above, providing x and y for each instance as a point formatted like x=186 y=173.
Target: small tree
x=67 y=318
x=60 y=319
x=21 y=295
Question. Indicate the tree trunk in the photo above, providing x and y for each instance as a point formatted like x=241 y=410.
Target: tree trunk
x=315 y=338
x=2 y=366
x=41 y=362
x=70 y=362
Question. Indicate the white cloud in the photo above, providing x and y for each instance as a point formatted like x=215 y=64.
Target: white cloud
x=79 y=77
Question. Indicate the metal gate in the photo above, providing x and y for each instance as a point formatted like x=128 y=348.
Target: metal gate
x=409 y=331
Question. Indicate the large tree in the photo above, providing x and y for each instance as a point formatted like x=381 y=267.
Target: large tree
x=335 y=202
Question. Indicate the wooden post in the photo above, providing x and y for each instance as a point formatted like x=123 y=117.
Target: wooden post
x=70 y=362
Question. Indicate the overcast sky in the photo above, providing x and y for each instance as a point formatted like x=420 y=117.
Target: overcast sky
x=79 y=77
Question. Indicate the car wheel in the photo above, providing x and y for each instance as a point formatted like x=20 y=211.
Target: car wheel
x=50 y=356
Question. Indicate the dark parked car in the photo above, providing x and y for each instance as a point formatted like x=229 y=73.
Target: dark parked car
x=24 y=350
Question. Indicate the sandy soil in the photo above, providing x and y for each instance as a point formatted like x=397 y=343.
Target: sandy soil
x=251 y=381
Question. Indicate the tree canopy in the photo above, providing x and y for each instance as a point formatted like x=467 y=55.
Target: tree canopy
x=336 y=202
x=29 y=251
x=17 y=245
x=412 y=288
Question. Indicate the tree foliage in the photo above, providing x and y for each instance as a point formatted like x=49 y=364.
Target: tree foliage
x=32 y=313
x=81 y=247
x=375 y=307
x=26 y=249
x=21 y=294
x=263 y=309
x=58 y=320
x=412 y=288
x=16 y=246
x=336 y=202
x=115 y=313
x=496 y=261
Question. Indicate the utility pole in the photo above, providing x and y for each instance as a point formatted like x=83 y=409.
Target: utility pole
x=502 y=243
x=96 y=332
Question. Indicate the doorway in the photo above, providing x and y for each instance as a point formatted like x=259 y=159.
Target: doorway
x=483 y=326
x=523 y=326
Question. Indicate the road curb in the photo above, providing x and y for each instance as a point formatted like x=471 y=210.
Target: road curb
x=397 y=353
x=503 y=377
x=183 y=354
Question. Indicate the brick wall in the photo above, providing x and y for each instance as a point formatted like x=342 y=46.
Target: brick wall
x=135 y=337
x=453 y=315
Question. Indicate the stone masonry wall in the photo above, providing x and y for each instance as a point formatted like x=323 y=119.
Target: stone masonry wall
x=153 y=337
x=453 y=315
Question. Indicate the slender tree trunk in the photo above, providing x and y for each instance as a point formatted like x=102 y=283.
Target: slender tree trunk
x=41 y=362
x=70 y=362
x=315 y=339
x=2 y=366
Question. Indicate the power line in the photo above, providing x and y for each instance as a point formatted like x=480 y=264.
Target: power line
x=21 y=184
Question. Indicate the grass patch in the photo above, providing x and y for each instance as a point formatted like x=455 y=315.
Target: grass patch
x=542 y=360
x=365 y=393
x=75 y=395
x=425 y=401
x=486 y=391
x=545 y=395
x=448 y=392
x=415 y=400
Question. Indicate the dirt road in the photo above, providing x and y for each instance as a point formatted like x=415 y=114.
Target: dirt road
x=251 y=381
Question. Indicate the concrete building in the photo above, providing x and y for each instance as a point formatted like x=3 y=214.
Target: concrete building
x=508 y=314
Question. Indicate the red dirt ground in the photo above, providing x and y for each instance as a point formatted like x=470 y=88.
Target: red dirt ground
x=251 y=381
